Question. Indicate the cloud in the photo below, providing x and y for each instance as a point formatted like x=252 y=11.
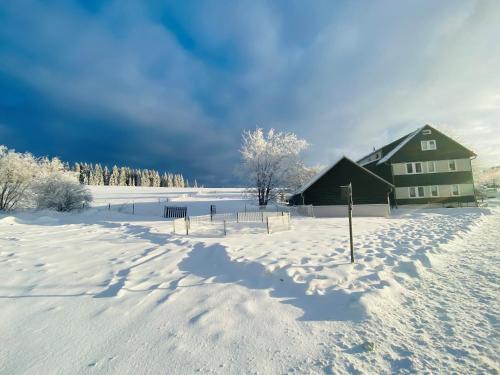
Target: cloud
x=174 y=84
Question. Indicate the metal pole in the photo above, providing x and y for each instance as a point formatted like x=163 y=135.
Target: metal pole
x=350 y=223
x=268 y=225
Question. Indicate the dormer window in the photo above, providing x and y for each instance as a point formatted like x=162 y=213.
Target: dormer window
x=428 y=145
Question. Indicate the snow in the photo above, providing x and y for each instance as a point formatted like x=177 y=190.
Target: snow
x=104 y=291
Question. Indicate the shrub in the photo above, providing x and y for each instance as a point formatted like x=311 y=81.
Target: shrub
x=60 y=193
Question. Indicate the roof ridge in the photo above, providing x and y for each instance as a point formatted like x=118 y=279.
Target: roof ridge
x=326 y=169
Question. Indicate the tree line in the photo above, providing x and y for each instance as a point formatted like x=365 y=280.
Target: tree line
x=89 y=174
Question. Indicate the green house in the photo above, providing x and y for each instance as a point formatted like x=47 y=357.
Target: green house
x=426 y=167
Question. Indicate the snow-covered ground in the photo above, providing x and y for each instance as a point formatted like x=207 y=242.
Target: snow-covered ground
x=105 y=291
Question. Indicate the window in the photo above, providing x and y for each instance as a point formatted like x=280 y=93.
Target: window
x=431 y=166
x=427 y=132
x=434 y=191
x=455 y=190
x=452 y=165
x=409 y=168
x=416 y=192
x=428 y=145
x=412 y=168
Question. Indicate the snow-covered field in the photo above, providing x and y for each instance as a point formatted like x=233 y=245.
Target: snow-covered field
x=105 y=291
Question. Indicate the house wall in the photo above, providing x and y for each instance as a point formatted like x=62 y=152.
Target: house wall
x=444 y=191
x=441 y=166
x=446 y=149
x=326 y=191
x=362 y=210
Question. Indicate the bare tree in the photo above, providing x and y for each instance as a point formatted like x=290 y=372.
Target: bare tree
x=268 y=160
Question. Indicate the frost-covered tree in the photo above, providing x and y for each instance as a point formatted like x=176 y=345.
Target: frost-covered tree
x=97 y=176
x=106 y=175
x=155 y=179
x=163 y=181
x=115 y=174
x=59 y=192
x=267 y=159
x=170 y=180
x=123 y=177
x=17 y=171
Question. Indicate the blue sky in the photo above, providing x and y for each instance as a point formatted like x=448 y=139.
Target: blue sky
x=171 y=85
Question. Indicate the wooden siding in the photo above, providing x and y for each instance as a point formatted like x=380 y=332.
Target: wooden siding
x=367 y=188
x=441 y=166
x=444 y=191
x=446 y=148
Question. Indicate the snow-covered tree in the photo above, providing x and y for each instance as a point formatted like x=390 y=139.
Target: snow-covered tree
x=267 y=159
x=97 y=176
x=122 y=177
x=17 y=172
x=115 y=174
x=106 y=175
x=155 y=178
x=60 y=192
x=170 y=180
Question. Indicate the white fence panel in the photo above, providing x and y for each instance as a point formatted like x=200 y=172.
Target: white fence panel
x=278 y=223
x=181 y=226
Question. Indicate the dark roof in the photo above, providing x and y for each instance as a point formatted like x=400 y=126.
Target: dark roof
x=394 y=146
x=327 y=169
x=387 y=148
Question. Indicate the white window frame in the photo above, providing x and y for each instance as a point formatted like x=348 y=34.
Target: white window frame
x=417 y=195
x=454 y=163
x=427 y=132
x=437 y=189
x=426 y=145
x=458 y=190
x=414 y=167
x=433 y=163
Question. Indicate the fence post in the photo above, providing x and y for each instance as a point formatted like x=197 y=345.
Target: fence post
x=186 y=221
x=268 y=225
x=262 y=215
x=238 y=216
x=133 y=208
x=109 y=206
x=225 y=228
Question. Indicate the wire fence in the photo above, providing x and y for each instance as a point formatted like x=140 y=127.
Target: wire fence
x=271 y=219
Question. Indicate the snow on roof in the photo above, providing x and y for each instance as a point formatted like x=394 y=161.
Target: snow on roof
x=398 y=147
x=325 y=170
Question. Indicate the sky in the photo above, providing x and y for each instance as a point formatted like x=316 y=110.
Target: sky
x=171 y=85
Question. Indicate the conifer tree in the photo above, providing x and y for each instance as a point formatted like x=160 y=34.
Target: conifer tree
x=113 y=179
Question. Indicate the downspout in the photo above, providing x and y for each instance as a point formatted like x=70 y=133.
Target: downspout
x=473 y=184
x=392 y=176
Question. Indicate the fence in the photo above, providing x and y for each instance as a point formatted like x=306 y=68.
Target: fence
x=257 y=216
x=278 y=223
x=306 y=210
x=181 y=226
x=174 y=212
